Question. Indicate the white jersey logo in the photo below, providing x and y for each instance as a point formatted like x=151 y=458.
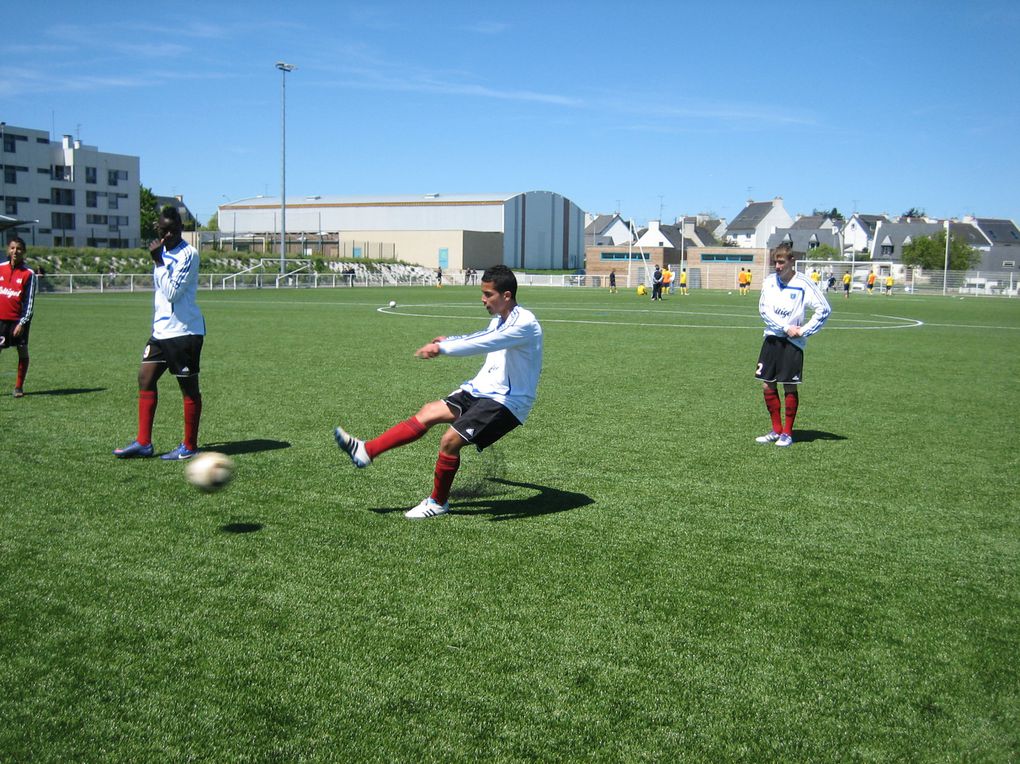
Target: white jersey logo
x=470 y=432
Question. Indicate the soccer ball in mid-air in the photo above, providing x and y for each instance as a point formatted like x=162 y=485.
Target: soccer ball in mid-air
x=393 y=303
x=209 y=471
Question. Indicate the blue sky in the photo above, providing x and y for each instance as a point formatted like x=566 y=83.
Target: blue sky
x=643 y=107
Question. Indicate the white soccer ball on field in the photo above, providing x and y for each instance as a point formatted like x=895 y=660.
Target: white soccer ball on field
x=209 y=471
x=393 y=303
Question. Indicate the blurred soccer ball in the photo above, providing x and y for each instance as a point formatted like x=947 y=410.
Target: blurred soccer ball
x=209 y=471
x=393 y=303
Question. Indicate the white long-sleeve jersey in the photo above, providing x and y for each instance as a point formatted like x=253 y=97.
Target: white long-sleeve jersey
x=782 y=305
x=513 y=362
x=176 y=312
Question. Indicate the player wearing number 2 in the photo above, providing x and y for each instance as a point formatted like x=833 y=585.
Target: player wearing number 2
x=785 y=296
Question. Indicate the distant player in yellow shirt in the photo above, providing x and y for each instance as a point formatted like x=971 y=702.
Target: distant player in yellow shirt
x=683 y=281
x=888 y=285
x=667 y=280
x=846 y=284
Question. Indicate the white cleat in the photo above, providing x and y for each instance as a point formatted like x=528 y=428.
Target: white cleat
x=784 y=441
x=353 y=447
x=428 y=508
x=771 y=437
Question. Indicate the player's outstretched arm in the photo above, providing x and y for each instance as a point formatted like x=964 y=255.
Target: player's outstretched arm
x=427 y=351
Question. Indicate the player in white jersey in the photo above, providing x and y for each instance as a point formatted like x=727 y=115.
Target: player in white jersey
x=785 y=297
x=483 y=409
x=178 y=331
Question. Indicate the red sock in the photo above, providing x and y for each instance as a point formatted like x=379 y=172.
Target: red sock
x=446 y=470
x=772 y=404
x=791 y=411
x=22 y=371
x=192 y=414
x=147 y=400
x=399 y=434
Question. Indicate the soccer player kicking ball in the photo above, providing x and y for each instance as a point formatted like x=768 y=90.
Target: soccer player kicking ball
x=483 y=409
x=784 y=298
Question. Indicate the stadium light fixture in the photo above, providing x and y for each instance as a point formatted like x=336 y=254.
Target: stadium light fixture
x=284 y=68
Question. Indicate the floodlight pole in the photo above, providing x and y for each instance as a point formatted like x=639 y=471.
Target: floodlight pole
x=945 y=273
x=284 y=68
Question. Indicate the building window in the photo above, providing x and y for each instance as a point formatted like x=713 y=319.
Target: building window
x=9 y=144
x=63 y=196
x=96 y=219
x=725 y=257
x=10 y=175
x=113 y=201
x=1009 y=263
x=91 y=199
x=90 y=174
x=113 y=177
x=63 y=221
x=619 y=256
x=887 y=250
x=10 y=206
x=812 y=245
x=62 y=172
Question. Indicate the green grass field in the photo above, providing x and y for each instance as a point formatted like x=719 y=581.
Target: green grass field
x=628 y=577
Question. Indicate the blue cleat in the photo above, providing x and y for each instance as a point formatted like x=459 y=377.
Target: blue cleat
x=179 y=454
x=134 y=450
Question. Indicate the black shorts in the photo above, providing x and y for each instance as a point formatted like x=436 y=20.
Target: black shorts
x=182 y=355
x=780 y=361
x=480 y=421
x=7 y=338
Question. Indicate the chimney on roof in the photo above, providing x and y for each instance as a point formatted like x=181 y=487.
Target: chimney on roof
x=180 y=198
x=777 y=201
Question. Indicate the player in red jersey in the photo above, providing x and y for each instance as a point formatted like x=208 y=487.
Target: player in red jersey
x=17 y=302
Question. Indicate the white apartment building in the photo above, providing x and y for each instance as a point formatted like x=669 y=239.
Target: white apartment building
x=68 y=194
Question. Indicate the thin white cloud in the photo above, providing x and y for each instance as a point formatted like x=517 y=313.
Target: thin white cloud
x=487 y=27
x=427 y=83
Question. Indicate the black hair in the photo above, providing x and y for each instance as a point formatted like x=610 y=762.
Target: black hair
x=19 y=240
x=171 y=213
x=502 y=278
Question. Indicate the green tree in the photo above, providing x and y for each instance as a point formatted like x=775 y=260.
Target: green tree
x=834 y=214
x=929 y=252
x=148 y=214
x=913 y=212
x=824 y=252
x=214 y=222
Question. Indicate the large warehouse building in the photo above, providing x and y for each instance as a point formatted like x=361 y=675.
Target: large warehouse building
x=532 y=229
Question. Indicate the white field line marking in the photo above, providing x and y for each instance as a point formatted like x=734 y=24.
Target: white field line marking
x=400 y=310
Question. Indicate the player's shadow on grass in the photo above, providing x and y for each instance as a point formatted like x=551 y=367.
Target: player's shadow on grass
x=66 y=391
x=806 y=436
x=241 y=527
x=235 y=447
x=548 y=501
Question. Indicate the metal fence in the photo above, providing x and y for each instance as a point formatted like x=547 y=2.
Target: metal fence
x=911 y=282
